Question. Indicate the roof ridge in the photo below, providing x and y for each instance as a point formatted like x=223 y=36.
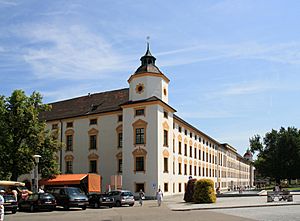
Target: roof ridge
x=103 y=92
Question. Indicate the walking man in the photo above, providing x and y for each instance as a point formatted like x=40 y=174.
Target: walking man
x=141 y=197
x=159 y=197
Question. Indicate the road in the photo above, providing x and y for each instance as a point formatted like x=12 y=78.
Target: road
x=148 y=212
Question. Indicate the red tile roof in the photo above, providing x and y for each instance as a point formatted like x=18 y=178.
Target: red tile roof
x=87 y=105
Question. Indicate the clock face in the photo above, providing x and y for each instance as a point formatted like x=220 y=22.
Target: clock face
x=139 y=88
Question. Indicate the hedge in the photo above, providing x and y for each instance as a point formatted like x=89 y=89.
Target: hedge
x=204 y=191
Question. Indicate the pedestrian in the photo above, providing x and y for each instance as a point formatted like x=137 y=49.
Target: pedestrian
x=141 y=197
x=159 y=197
x=41 y=190
x=1 y=205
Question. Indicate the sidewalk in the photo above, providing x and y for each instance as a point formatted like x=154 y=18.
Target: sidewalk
x=176 y=203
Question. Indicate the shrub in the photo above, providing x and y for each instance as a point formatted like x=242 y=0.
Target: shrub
x=204 y=191
x=189 y=191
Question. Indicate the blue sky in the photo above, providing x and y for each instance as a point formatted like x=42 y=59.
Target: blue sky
x=233 y=65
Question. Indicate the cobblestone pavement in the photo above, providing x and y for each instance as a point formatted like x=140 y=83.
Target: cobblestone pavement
x=283 y=213
x=175 y=209
x=148 y=212
x=176 y=203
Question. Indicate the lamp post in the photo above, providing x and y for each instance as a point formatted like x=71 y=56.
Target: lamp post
x=36 y=172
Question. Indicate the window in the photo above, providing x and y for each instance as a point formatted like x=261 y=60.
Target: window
x=206 y=157
x=199 y=139
x=191 y=134
x=199 y=154
x=185 y=149
x=93 y=142
x=139 y=186
x=199 y=171
x=185 y=169
x=120 y=165
x=166 y=165
x=139 y=164
x=139 y=136
x=195 y=153
x=93 y=166
x=173 y=145
x=54 y=126
x=69 y=146
x=120 y=118
x=93 y=121
x=120 y=140
x=69 y=124
x=179 y=129
x=166 y=187
x=165 y=138
x=179 y=168
x=69 y=166
x=203 y=156
x=190 y=169
x=173 y=167
x=191 y=151
x=165 y=114
x=195 y=170
x=210 y=158
x=185 y=132
x=195 y=137
x=179 y=187
x=139 y=112
x=179 y=147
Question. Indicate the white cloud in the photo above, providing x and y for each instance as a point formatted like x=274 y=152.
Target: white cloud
x=287 y=53
x=8 y=3
x=69 y=53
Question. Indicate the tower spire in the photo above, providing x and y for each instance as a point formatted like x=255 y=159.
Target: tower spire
x=148 y=61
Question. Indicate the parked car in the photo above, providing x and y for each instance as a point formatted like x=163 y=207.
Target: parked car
x=69 y=197
x=97 y=200
x=10 y=203
x=38 y=201
x=122 y=197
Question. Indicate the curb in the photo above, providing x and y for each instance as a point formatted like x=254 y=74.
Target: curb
x=236 y=207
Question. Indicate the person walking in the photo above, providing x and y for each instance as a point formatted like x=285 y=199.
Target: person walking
x=159 y=197
x=141 y=197
x=1 y=205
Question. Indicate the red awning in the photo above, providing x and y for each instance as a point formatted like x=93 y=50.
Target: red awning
x=64 y=179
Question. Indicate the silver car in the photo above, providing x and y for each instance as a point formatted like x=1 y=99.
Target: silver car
x=122 y=197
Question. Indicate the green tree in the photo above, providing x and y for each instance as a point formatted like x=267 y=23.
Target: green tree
x=24 y=135
x=278 y=153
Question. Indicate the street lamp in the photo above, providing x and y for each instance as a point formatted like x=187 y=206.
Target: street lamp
x=36 y=172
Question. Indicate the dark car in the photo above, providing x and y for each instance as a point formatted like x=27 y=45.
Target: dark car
x=38 y=201
x=69 y=197
x=97 y=200
x=122 y=197
x=10 y=203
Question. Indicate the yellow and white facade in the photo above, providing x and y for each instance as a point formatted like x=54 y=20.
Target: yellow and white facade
x=139 y=141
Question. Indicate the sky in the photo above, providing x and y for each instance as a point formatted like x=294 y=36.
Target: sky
x=233 y=65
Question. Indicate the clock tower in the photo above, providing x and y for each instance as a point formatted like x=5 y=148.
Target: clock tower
x=148 y=81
